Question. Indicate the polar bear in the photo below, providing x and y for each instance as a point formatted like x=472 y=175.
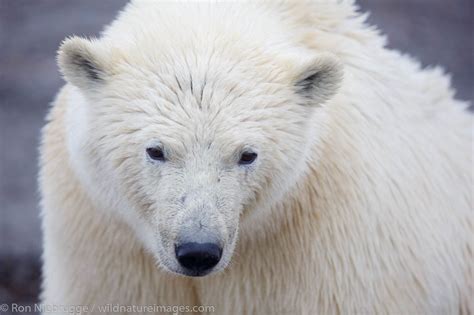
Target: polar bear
x=256 y=158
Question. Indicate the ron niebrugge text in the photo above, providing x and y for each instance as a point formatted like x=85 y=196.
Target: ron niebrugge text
x=106 y=308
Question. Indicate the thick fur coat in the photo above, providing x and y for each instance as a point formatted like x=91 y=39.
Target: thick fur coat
x=360 y=200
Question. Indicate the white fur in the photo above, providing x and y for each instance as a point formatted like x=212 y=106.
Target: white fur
x=360 y=200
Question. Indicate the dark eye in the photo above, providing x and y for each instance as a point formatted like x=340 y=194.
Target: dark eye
x=156 y=153
x=247 y=157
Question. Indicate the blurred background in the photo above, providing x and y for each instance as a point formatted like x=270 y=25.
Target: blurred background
x=438 y=32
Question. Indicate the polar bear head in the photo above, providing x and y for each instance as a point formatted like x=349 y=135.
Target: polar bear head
x=186 y=137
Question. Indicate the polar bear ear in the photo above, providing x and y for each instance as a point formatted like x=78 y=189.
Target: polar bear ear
x=319 y=79
x=81 y=63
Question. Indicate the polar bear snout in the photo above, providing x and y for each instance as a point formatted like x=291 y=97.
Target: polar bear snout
x=201 y=245
x=198 y=258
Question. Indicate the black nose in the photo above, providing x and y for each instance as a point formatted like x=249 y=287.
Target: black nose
x=198 y=257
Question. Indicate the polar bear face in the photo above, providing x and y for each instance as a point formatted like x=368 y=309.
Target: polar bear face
x=182 y=147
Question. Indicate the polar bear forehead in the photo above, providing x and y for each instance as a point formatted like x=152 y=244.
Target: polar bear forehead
x=201 y=102
x=196 y=105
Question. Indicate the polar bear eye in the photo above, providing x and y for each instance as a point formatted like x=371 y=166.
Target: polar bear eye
x=156 y=153
x=247 y=157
